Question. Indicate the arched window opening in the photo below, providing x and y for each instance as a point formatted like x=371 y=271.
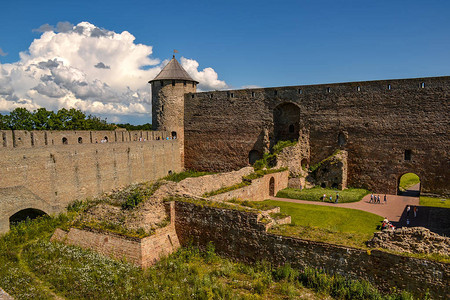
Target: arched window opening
x=286 y=122
x=80 y=140
x=173 y=134
x=253 y=156
x=409 y=185
x=304 y=164
x=272 y=186
x=25 y=214
x=65 y=141
x=105 y=139
x=342 y=140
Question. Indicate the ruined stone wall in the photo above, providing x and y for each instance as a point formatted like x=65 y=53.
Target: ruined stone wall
x=260 y=189
x=375 y=121
x=142 y=252
x=239 y=235
x=59 y=174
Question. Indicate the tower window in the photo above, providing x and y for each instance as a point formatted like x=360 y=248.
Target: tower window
x=407 y=154
x=162 y=83
x=193 y=84
x=389 y=86
x=422 y=85
x=291 y=128
x=173 y=82
x=253 y=94
x=184 y=83
x=300 y=91
x=358 y=89
x=192 y=96
x=328 y=90
x=275 y=93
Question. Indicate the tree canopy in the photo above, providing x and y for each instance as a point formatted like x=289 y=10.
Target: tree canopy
x=64 y=119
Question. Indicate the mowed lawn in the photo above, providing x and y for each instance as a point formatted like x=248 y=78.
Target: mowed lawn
x=316 y=194
x=435 y=202
x=336 y=225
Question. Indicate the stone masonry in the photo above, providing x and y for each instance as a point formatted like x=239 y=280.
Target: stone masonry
x=377 y=122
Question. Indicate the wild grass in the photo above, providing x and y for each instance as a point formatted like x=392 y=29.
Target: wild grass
x=31 y=267
x=334 y=225
x=226 y=189
x=316 y=194
x=435 y=202
x=177 y=177
x=269 y=159
x=408 y=180
x=259 y=205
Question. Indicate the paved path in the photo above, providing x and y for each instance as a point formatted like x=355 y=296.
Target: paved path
x=394 y=210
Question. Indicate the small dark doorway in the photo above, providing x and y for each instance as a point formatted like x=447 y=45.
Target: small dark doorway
x=272 y=187
x=80 y=140
x=173 y=134
x=409 y=185
x=25 y=214
x=342 y=140
x=64 y=141
x=253 y=156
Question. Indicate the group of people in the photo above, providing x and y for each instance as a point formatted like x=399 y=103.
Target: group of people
x=376 y=199
x=387 y=225
x=324 y=198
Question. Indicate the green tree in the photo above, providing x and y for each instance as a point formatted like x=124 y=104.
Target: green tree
x=21 y=119
x=41 y=118
x=76 y=120
x=4 y=122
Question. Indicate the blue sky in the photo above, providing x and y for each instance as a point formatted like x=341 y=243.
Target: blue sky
x=261 y=43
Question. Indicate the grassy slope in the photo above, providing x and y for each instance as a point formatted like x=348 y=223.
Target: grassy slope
x=408 y=180
x=328 y=224
x=436 y=202
x=316 y=193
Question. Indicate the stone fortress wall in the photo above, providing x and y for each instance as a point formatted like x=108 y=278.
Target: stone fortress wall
x=388 y=127
x=40 y=171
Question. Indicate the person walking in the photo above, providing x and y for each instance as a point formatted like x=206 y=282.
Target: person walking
x=408 y=208
x=331 y=199
x=378 y=199
x=324 y=197
x=385 y=199
x=371 y=198
x=337 y=197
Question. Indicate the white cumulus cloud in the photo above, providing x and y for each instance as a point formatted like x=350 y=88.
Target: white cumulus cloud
x=88 y=68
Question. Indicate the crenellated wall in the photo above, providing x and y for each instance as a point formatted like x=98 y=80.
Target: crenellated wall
x=375 y=121
x=48 y=177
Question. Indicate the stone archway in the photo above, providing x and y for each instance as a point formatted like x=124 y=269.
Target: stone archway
x=409 y=184
x=272 y=187
x=25 y=214
x=286 y=122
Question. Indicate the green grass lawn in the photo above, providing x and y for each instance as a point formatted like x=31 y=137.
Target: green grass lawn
x=327 y=224
x=316 y=193
x=436 y=202
x=408 y=180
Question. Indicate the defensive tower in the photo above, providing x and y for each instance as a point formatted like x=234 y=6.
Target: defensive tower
x=168 y=90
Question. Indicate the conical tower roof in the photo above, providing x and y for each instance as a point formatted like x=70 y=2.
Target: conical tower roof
x=173 y=70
